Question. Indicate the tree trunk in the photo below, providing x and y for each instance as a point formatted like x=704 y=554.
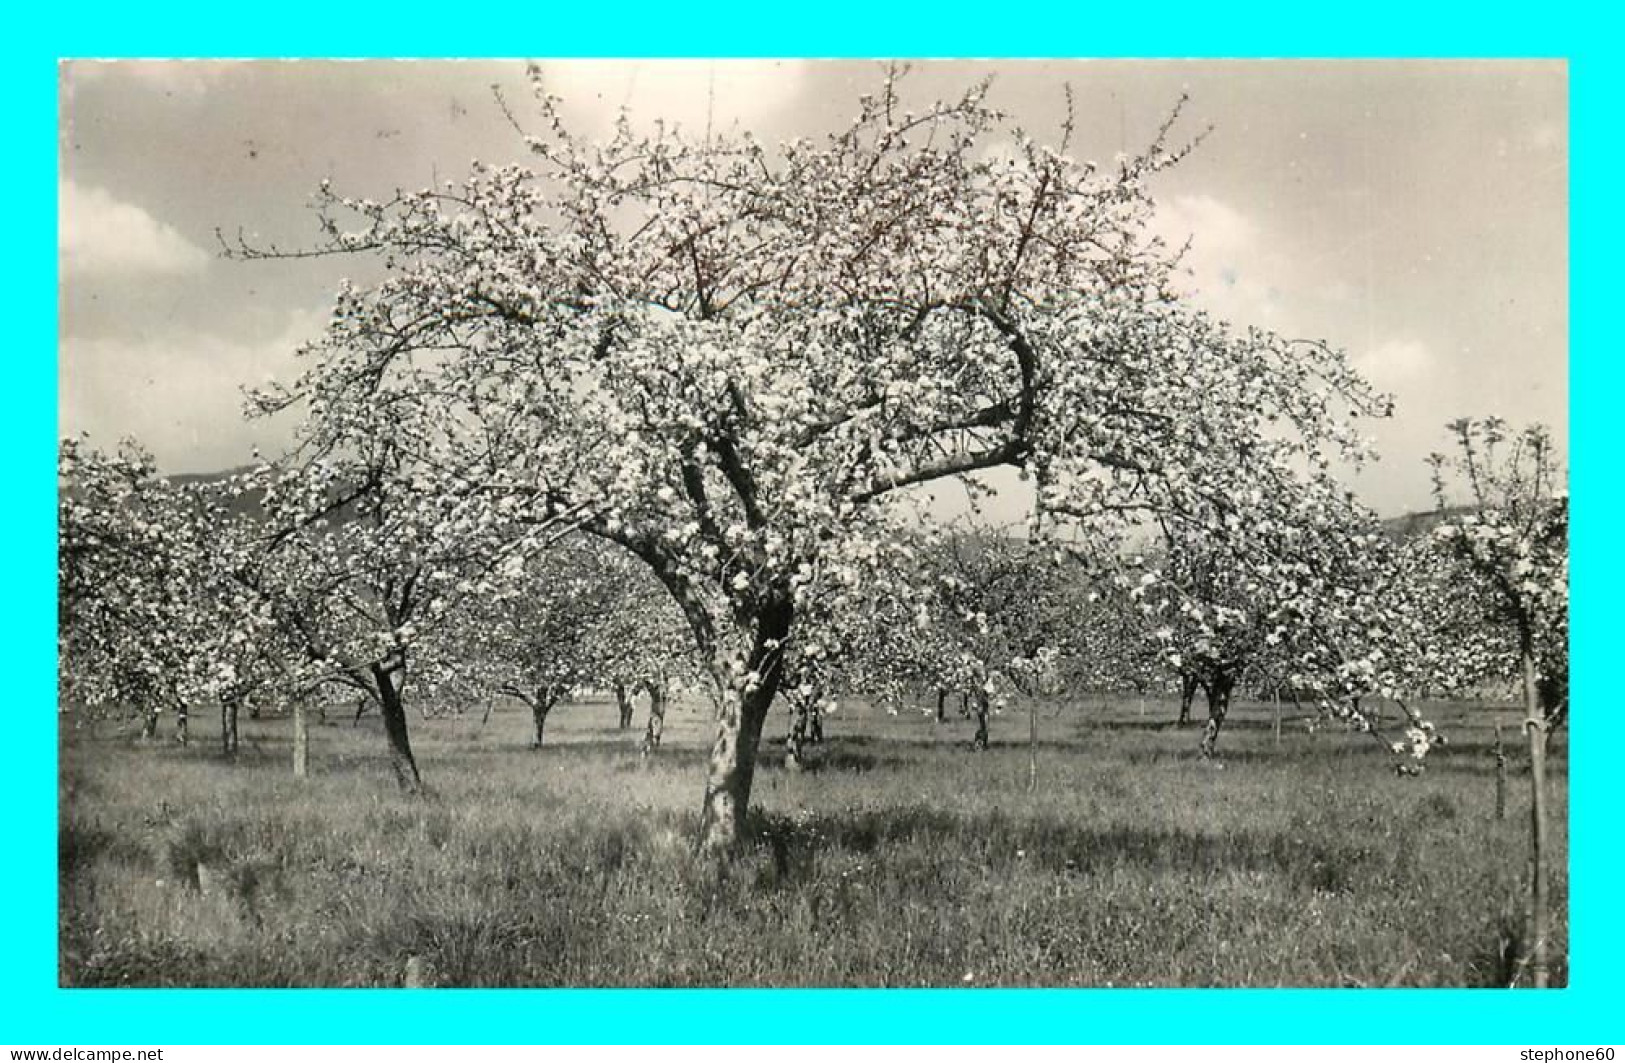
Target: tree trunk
x=181 y=719
x=624 y=703
x=740 y=716
x=1187 y=694
x=979 y=740
x=657 y=719
x=539 y=709
x=393 y=711
x=815 y=722
x=149 y=725
x=228 y=727
x=301 y=739
x=942 y=702
x=796 y=739
x=1218 y=703
x=1539 y=917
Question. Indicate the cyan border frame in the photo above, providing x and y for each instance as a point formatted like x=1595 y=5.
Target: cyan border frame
x=33 y=1010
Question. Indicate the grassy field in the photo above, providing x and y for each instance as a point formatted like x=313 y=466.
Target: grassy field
x=904 y=860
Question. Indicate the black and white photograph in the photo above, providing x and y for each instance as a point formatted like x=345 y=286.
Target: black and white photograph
x=789 y=523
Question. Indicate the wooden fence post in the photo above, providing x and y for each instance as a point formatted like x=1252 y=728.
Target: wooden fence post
x=301 y=739
x=1500 y=776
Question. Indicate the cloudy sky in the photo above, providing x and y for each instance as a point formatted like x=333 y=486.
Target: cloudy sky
x=1412 y=213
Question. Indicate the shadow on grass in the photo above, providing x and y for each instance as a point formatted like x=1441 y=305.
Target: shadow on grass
x=842 y=755
x=1003 y=843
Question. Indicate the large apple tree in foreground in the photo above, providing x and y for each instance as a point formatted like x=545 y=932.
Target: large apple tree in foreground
x=726 y=356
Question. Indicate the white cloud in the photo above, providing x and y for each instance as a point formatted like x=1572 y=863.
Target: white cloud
x=694 y=93
x=1216 y=227
x=179 y=395
x=98 y=235
x=190 y=77
x=1393 y=362
x=1230 y=267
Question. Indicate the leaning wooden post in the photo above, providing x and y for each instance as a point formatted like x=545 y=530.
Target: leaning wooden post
x=1500 y=776
x=1535 y=724
x=301 y=740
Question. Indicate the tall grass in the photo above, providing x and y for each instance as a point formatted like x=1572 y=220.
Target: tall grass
x=905 y=859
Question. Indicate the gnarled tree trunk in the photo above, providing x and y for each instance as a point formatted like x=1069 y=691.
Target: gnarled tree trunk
x=979 y=740
x=541 y=703
x=1187 y=694
x=539 y=708
x=796 y=740
x=1218 y=704
x=182 y=734
x=623 y=702
x=741 y=712
x=657 y=718
x=393 y=710
x=228 y=726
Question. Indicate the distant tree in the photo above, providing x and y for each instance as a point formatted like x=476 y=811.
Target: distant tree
x=1511 y=538
x=124 y=584
x=550 y=626
x=642 y=644
x=1213 y=622
x=1317 y=600
x=885 y=637
x=150 y=613
x=1002 y=603
x=360 y=560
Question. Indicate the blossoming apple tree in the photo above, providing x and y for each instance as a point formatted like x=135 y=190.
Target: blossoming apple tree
x=1210 y=617
x=1511 y=539
x=149 y=611
x=1317 y=599
x=360 y=560
x=122 y=584
x=727 y=356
